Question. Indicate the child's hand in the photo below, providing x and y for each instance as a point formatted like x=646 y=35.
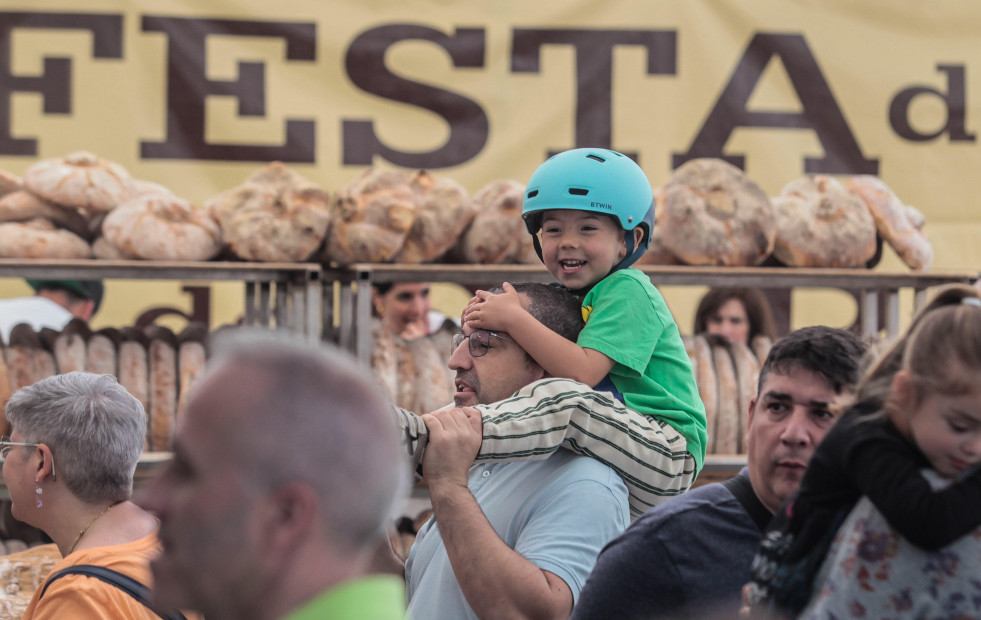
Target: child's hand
x=493 y=311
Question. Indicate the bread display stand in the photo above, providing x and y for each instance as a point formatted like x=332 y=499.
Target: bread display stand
x=290 y=293
x=357 y=279
x=354 y=331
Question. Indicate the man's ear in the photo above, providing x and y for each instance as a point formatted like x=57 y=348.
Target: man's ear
x=749 y=420
x=289 y=513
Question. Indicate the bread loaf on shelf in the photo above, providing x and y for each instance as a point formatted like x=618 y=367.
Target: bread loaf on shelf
x=39 y=238
x=370 y=218
x=899 y=224
x=275 y=215
x=821 y=224
x=496 y=231
x=444 y=211
x=159 y=227
x=713 y=214
x=80 y=179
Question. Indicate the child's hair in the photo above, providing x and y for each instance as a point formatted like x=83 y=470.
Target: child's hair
x=944 y=334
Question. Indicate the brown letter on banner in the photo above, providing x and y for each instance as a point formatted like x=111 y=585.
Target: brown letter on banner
x=820 y=110
x=365 y=64
x=188 y=88
x=594 y=70
x=955 y=101
x=54 y=83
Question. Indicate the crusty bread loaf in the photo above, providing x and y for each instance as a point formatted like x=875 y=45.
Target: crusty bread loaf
x=39 y=238
x=433 y=379
x=444 y=211
x=101 y=352
x=80 y=179
x=747 y=374
x=700 y=353
x=5 y=390
x=275 y=215
x=370 y=218
x=134 y=369
x=21 y=573
x=497 y=228
x=822 y=224
x=160 y=227
x=191 y=358
x=761 y=345
x=899 y=224
x=728 y=428
x=713 y=214
x=69 y=346
x=162 y=355
x=10 y=182
x=21 y=206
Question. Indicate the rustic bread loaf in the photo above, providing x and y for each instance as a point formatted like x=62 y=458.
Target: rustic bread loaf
x=80 y=179
x=444 y=211
x=10 y=182
x=899 y=224
x=39 y=238
x=21 y=206
x=497 y=230
x=822 y=224
x=275 y=215
x=713 y=214
x=160 y=227
x=162 y=356
x=370 y=218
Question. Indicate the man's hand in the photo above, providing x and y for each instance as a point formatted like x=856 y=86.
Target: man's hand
x=454 y=439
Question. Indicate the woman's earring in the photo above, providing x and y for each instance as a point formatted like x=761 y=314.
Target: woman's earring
x=39 y=491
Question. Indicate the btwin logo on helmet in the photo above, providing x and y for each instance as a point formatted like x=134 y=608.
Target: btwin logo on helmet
x=601 y=205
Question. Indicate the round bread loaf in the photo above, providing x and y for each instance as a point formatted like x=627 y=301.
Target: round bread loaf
x=496 y=232
x=822 y=224
x=39 y=238
x=10 y=182
x=444 y=211
x=80 y=179
x=160 y=227
x=713 y=214
x=899 y=224
x=370 y=218
x=21 y=205
x=276 y=215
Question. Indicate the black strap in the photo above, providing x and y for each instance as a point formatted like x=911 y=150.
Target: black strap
x=127 y=584
x=742 y=489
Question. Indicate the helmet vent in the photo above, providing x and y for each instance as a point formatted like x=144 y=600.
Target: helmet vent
x=532 y=193
x=596 y=157
x=578 y=191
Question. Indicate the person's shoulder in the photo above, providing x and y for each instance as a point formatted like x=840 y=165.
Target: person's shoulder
x=705 y=501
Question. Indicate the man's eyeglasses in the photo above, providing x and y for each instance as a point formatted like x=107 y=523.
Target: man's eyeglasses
x=6 y=446
x=480 y=341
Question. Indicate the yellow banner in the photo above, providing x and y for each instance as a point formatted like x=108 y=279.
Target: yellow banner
x=196 y=95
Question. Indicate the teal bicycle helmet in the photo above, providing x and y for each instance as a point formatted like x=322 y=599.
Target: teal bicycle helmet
x=597 y=180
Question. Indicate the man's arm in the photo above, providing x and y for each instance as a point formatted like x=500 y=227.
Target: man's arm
x=496 y=580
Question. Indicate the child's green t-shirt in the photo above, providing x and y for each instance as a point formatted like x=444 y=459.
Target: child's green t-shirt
x=628 y=321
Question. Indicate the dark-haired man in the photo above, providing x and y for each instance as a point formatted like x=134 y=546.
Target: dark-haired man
x=690 y=556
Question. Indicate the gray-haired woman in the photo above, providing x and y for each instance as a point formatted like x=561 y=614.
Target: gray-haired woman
x=68 y=464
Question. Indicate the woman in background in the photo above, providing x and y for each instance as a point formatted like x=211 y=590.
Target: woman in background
x=739 y=314
x=411 y=346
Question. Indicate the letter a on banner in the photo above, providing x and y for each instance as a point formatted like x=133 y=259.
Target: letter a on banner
x=821 y=113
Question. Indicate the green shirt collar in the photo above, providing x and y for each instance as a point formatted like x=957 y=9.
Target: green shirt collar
x=376 y=597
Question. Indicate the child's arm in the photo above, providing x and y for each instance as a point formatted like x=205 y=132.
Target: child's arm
x=888 y=471
x=558 y=356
